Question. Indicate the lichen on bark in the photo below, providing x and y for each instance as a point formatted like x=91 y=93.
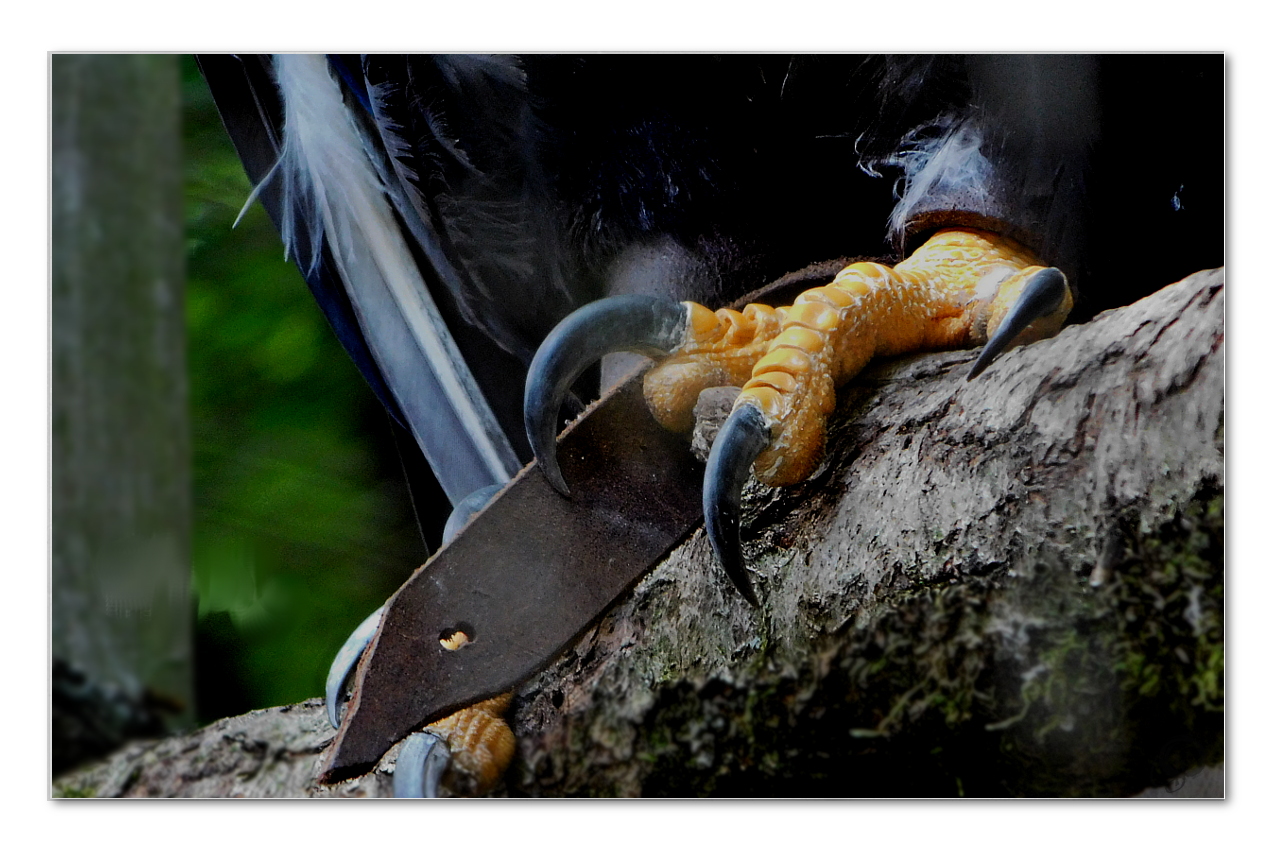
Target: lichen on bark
x=1010 y=587
x=984 y=592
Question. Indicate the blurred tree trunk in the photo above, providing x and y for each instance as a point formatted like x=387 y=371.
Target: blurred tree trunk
x=1010 y=587
x=121 y=451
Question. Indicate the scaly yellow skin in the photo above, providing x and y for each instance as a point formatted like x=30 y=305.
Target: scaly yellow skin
x=952 y=292
x=722 y=348
x=480 y=742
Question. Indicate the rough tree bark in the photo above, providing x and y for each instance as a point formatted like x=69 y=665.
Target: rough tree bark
x=1005 y=587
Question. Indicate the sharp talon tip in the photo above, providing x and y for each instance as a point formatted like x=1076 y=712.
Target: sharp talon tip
x=551 y=470
x=978 y=366
x=742 y=438
x=744 y=587
x=344 y=662
x=1042 y=295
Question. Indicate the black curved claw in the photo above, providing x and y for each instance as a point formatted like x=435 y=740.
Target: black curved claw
x=422 y=761
x=641 y=324
x=742 y=438
x=1040 y=297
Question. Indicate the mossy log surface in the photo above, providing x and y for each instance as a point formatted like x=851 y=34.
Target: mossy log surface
x=1005 y=587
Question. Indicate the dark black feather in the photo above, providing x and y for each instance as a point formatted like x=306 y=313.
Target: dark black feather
x=530 y=186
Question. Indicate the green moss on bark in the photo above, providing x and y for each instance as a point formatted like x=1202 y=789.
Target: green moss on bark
x=1025 y=683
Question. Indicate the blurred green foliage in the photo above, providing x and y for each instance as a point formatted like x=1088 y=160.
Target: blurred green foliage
x=303 y=524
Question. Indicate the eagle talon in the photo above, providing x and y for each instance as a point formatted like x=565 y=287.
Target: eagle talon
x=344 y=662
x=421 y=764
x=962 y=287
x=742 y=438
x=641 y=324
x=1046 y=294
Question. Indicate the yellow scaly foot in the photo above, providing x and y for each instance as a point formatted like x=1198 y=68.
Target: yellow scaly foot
x=963 y=287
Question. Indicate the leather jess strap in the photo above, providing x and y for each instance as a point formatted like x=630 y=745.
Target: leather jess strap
x=532 y=571
x=525 y=577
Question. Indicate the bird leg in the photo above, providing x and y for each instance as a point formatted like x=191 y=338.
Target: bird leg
x=951 y=293
x=469 y=750
x=481 y=745
x=962 y=288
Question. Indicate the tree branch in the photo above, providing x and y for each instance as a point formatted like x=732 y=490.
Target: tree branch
x=1005 y=587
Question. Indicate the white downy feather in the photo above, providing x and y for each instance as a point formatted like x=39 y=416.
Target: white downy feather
x=936 y=159
x=332 y=188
